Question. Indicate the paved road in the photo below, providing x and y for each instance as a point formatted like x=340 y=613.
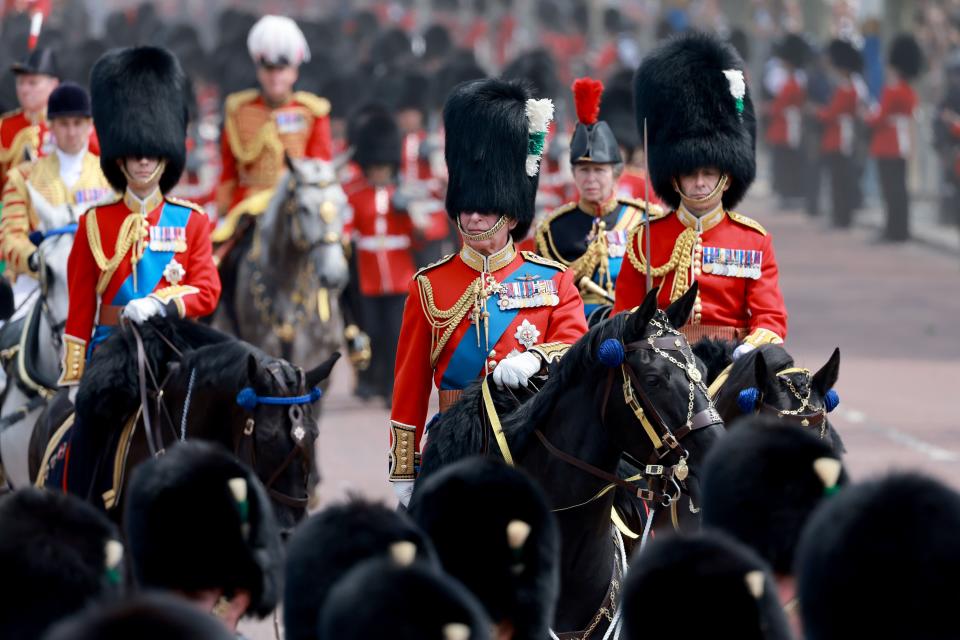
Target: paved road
x=894 y=311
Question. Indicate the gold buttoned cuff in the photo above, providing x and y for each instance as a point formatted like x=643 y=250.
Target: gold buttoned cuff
x=74 y=361
x=762 y=336
x=550 y=352
x=402 y=456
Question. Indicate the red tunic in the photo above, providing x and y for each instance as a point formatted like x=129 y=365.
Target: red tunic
x=838 y=120
x=384 y=241
x=195 y=293
x=737 y=300
x=424 y=355
x=785 y=114
x=415 y=170
x=891 y=121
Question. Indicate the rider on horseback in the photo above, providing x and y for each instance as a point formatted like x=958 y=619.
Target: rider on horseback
x=489 y=309
x=590 y=235
x=701 y=165
x=144 y=254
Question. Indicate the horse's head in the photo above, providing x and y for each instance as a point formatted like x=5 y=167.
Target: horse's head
x=315 y=205
x=54 y=249
x=790 y=393
x=280 y=401
x=657 y=406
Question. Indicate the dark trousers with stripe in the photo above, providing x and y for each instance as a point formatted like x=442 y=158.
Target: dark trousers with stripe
x=382 y=316
x=843 y=189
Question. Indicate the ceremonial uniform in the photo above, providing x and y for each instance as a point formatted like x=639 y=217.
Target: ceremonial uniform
x=784 y=130
x=728 y=254
x=21 y=140
x=130 y=249
x=533 y=305
x=255 y=137
x=39 y=188
x=470 y=314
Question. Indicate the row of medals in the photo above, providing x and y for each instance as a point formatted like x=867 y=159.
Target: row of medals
x=745 y=263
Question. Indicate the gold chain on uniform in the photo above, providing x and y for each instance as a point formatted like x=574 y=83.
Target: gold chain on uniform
x=680 y=260
x=132 y=233
x=444 y=322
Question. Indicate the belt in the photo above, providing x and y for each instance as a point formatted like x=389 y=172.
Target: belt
x=385 y=242
x=448 y=398
x=697 y=332
x=109 y=315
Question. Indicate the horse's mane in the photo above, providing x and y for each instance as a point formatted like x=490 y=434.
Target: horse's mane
x=742 y=374
x=459 y=436
x=715 y=354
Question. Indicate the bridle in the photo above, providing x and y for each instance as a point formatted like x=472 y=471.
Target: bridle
x=247 y=399
x=807 y=415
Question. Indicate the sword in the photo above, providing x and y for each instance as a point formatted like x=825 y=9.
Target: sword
x=646 y=206
x=591 y=286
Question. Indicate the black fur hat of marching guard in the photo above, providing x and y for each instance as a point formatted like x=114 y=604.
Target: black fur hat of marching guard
x=844 y=55
x=507 y=553
x=735 y=594
x=763 y=480
x=378 y=599
x=140 y=99
x=693 y=118
x=794 y=49
x=326 y=546
x=537 y=68
x=906 y=56
x=197 y=518
x=880 y=560
x=150 y=616
x=617 y=111
x=486 y=138
x=57 y=554
x=375 y=138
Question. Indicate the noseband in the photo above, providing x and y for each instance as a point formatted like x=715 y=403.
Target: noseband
x=807 y=415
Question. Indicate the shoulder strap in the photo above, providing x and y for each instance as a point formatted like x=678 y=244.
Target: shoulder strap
x=747 y=222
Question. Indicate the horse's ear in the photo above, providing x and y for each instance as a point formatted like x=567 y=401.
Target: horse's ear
x=253 y=368
x=640 y=317
x=679 y=311
x=322 y=371
x=761 y=373
x=826 y=377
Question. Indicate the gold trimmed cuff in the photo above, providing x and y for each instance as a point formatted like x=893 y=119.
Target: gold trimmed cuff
x=762 y=336
x=73 y=362
x=550 y=352
x=175 y=294
x=402 y=457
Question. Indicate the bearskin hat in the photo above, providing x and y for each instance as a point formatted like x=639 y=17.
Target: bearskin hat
x=731 y=585
x=692 y=94
x=512 y=564
x=616 y=109
x=906 y=56
x=329 y=544
x=844 y=55
x=380 y=598
x=140 y=99
x=375 y=137
x=196 y=518
x=538 y=69
x=437 y=42
x=153 y=616
x=880 y=560
x=487 y=131
x=794 y=49
x=58 y=554
x=593 y=139
x=763 y=480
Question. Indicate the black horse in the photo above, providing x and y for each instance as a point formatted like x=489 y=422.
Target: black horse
x=766 y=380
x=630 y=386
x=192 y=377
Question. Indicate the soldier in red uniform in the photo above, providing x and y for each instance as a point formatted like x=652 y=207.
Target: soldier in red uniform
x=260 y=125
x=23 y=131
x=701 y=166
x=786 y=119
x=144 y=254
x=892 y=130
x=839 y=119
x=383 y=239
x=489 y=309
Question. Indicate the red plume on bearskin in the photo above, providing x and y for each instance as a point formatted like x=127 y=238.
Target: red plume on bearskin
x=586 y=97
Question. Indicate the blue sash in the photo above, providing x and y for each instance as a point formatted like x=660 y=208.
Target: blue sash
x=468 y=358
x=150 y=267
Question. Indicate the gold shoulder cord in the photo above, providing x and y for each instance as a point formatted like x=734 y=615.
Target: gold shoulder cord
x=443 y=322
x=680 y=260
x=131 y=232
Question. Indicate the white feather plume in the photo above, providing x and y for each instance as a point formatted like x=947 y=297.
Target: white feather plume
x=276 y=38
x=738 y=85
x=539 y=114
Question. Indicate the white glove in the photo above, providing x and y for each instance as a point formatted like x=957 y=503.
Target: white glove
x=742 y=350
x=514 y=372
x=72 y=394
x=404 y=490
x=141 y=309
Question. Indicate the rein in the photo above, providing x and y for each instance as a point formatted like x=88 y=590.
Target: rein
x=807 y=415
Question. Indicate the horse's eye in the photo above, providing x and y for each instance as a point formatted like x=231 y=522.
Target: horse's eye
x=652 y=380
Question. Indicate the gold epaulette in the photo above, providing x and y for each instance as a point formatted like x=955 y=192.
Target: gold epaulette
x=186 y=203
x=547 y=262
x=439 y=262
x=238 y=99
x=544 y=238
x=117 y=197
x=319 y=107
x=10 y=114
x=747 y=222
x=655 y=210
